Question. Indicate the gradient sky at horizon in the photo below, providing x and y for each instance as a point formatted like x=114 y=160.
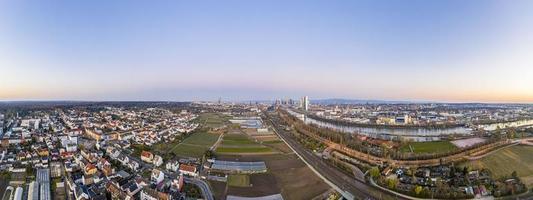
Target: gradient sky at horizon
x=451 y=51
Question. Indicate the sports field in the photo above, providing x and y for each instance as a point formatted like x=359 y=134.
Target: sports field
x=505 y=161
x=428 y=147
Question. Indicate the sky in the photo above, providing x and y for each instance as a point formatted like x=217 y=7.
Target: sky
x=448 y=51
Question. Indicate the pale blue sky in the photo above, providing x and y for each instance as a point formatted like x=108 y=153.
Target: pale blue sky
x=458 y=51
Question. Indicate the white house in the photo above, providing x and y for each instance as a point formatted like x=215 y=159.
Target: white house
x=158 y=161
x=157 y=176
x=173 y=165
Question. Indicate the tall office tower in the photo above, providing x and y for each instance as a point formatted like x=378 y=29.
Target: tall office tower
x=304 y=103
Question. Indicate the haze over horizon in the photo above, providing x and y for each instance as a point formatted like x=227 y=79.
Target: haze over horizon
x=444 y=51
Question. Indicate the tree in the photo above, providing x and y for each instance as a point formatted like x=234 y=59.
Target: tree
x=511 y=133
x=392 y=182
x=209 y=154
x=29 y=170
x=418 y=189
x=374 y=172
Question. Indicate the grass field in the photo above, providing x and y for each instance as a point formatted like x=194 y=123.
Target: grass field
x=237 y=139
x=243 y=150
x=505 y=161
x=239 y=180
x=213 y=120
x=201 y=138
x=273 y=142
x=193 y=146
x=428 y=147
x=237 y=142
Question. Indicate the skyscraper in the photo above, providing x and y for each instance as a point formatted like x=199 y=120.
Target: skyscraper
x=304 y=103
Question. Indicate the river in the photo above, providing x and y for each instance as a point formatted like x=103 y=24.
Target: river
x=420 y=134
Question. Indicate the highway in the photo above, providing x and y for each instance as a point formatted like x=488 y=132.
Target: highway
x=348 y=186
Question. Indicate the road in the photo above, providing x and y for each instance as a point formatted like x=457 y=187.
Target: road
x=348 y=186
x=204 y=187
x=206 y=190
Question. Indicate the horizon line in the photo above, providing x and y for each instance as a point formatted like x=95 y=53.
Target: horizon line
x=363 y=101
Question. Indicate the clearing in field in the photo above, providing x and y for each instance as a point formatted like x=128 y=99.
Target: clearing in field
x=428 y=147
x=505 y=161
x=239 y=180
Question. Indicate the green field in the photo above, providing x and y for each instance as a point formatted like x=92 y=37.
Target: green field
x=194 y=145
x=212 y=120
x=243 y=149
x=240 y=143
x=505 y=161
x=201 y=138
x=273 y=142
x=428 y=147
x=239 y=180
x=237 y=139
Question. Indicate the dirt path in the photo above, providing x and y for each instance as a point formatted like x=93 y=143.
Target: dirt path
x=219 y=140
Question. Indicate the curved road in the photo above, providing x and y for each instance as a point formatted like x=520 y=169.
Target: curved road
x=206 y=190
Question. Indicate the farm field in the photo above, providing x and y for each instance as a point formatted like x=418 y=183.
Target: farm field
x=505 y=161
x=213 y=120
x=237 y=140
x=194 y=145
x=428 y=147
x=283 y=177
x=238 y=143
x=244 y=150
x=239 y=180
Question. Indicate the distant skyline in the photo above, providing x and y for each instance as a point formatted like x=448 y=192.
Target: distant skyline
x=443 y=51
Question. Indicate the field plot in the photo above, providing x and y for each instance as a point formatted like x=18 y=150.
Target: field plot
x=428 y=147
x=284 y=176
x=219 y=189
x=239 y=180
x=239 y=167
x=195 y=145
x=213 y=120
x=261 y=185
x=244 y=150
x=467 y=142
x=237 y=140
x=239 y=143
x=505 y=161
x=289 y=171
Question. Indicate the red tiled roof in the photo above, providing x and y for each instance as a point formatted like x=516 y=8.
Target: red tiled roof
x=187 y=168
x=146 y=154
